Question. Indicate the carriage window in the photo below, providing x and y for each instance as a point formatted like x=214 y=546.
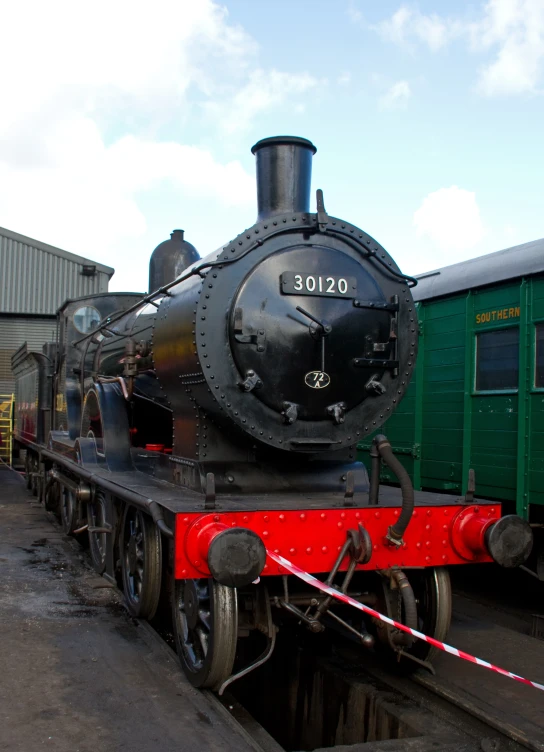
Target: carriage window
x=497 y=360
x=539 y=356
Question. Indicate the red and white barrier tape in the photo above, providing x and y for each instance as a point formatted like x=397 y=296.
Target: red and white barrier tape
x=310 y=580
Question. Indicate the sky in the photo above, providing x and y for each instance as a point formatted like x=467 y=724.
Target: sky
x=121 y=120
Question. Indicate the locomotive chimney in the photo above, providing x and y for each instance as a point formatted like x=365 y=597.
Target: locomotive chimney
x=169 y=259
x=284 y=175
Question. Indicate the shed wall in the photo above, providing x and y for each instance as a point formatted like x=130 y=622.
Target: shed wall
x=14 y=331
x=36 y=278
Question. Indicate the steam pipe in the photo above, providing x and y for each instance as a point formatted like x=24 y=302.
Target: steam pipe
x=284 y=175
x=397 y=530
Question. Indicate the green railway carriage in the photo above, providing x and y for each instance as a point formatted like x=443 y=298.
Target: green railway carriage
x=476 y=400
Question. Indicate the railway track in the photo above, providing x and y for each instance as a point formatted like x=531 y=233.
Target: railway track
x=487 y=708
x=332 y=699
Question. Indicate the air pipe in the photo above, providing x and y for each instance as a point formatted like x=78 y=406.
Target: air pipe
x=397 y=530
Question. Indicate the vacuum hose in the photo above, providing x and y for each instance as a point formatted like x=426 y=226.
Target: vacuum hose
x=397 y=530
x=410 y=605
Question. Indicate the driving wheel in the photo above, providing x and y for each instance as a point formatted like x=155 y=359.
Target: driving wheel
x=98 y=540
x=205 y=620
x=68 y=510
x=432 y=591
x=35 y=481
x=52 y=497
x=28 y=470
x=141 y=563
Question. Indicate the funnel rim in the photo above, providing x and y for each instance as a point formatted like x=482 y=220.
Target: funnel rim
x=284 y=141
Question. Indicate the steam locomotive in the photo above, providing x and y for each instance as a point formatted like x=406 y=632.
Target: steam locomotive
x=190 y=432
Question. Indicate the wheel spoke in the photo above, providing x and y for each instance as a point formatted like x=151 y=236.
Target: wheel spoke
x=205 y=620
x=205 y=626
x=203 y=639
x=190 y=652
x=203 y=591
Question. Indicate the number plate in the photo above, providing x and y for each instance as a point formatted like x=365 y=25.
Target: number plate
x=326 y=285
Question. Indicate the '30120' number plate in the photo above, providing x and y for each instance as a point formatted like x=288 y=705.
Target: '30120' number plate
x=331 y=286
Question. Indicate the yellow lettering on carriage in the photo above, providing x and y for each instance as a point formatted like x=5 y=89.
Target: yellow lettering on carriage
x=497 y=314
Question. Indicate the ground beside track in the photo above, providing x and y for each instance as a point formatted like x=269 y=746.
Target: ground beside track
x=507 y=705
x=76 y=673
x=512 y=596
x=493 y=613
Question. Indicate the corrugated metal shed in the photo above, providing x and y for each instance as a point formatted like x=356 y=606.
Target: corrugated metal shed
x=36 y=278
x=511 y=263
x=14 y=330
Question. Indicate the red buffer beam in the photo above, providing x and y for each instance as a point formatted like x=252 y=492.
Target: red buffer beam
x=312 y=538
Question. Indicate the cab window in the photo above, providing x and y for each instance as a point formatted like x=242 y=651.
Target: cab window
x=497 y=360
x=539 y=356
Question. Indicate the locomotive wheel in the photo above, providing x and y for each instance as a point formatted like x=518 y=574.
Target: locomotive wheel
x=205 y=620
x=432 y=590
x=96 y=517
x=68 y=510
x=40 y=483
x=52 y=498
x=28 y=471
x=34 y=481
x=141 y=557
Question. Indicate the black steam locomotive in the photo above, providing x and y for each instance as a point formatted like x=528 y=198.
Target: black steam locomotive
x=191 y=432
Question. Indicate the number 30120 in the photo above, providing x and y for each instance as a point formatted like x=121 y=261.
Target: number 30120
x=293 y=283
x=331 y=285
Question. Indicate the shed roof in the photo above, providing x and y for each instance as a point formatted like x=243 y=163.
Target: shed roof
x=511 y=263
x=35 y=278
x=46 y=248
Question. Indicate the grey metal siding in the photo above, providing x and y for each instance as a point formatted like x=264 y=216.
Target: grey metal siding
x=14 y=331
x=36 y=278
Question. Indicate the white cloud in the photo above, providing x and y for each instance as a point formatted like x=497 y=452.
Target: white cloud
x=409 y=24
x=116 y=55
x=396 y=97
x=510 y=31
x=514 y=30
x=450 y=218
x=354 y=13
x=88 y=92
x=86 y=196
x=510 y=233
x=263 y=91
